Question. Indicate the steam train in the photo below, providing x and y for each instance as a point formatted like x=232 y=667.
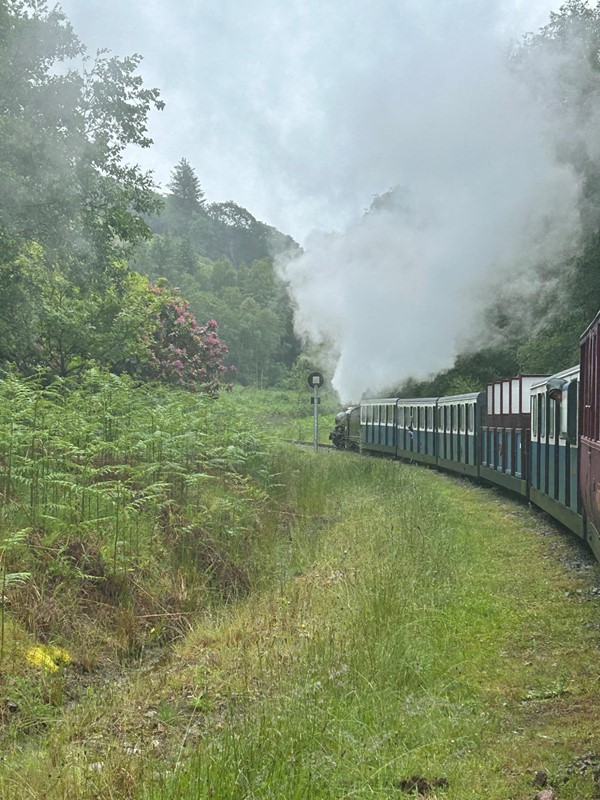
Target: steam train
x=535 y=435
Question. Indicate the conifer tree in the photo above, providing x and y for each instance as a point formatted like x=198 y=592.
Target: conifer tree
x=185 y=188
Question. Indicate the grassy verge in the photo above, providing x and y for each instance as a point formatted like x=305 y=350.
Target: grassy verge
x=435 y=636
x=427 y=630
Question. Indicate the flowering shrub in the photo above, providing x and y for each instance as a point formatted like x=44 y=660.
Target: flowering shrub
x=183 y=352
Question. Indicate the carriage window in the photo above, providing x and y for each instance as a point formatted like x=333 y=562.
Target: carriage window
x=534 y=417
x=453 y=410
x=572 y=417
x=551 y=416
x=461 y=418
x=542 y=416
x=470 y=418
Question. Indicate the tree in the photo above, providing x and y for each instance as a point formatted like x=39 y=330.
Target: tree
x=240 y=236
x=186 y=192
x=71 y=209
x=58 y=327
x=63 y=134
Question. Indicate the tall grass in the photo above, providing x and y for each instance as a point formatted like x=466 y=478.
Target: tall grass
x=351 y=665
x=393 y=649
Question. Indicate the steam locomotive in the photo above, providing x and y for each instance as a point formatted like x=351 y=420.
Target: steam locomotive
x=535 y=435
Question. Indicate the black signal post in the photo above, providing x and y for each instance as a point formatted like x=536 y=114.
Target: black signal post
x=315 y=380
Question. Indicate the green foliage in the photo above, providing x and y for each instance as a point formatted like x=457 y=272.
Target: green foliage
x=9 y=544
x=470 y=373
x=220 y=257
x=403 y=633
x=391 y=624
x=569 y=85
x=58 y=326
x=212 y=231
x=72 y=210
x=539 y=331
x=555 y=349
x=63 y=180
x=70 y=207
x=102 y=485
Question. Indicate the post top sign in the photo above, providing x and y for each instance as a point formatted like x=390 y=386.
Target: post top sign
x=315 y=379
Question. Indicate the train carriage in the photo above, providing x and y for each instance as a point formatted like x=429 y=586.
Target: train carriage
x=378 y=425
x=457 y=432
x=415 y=430
x=505 y=432
x=554 y=448
x=589 y=431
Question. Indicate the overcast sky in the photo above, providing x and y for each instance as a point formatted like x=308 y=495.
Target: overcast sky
x=281 y=105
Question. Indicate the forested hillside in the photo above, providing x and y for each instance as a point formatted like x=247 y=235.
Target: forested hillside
x=221 y=258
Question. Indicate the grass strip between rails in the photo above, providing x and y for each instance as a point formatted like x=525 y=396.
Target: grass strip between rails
x=419 y=627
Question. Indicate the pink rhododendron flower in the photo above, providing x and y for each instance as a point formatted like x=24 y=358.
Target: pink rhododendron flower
x=181 y=351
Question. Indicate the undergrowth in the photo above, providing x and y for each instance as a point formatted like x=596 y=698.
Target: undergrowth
x=123 y=509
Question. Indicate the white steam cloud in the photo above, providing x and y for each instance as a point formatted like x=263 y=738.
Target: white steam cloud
x=480 y=193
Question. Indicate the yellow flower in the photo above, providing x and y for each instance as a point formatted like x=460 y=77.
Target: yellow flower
x=48 y=657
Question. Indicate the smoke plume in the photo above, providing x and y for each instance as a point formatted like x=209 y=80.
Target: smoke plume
x=475 y=193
